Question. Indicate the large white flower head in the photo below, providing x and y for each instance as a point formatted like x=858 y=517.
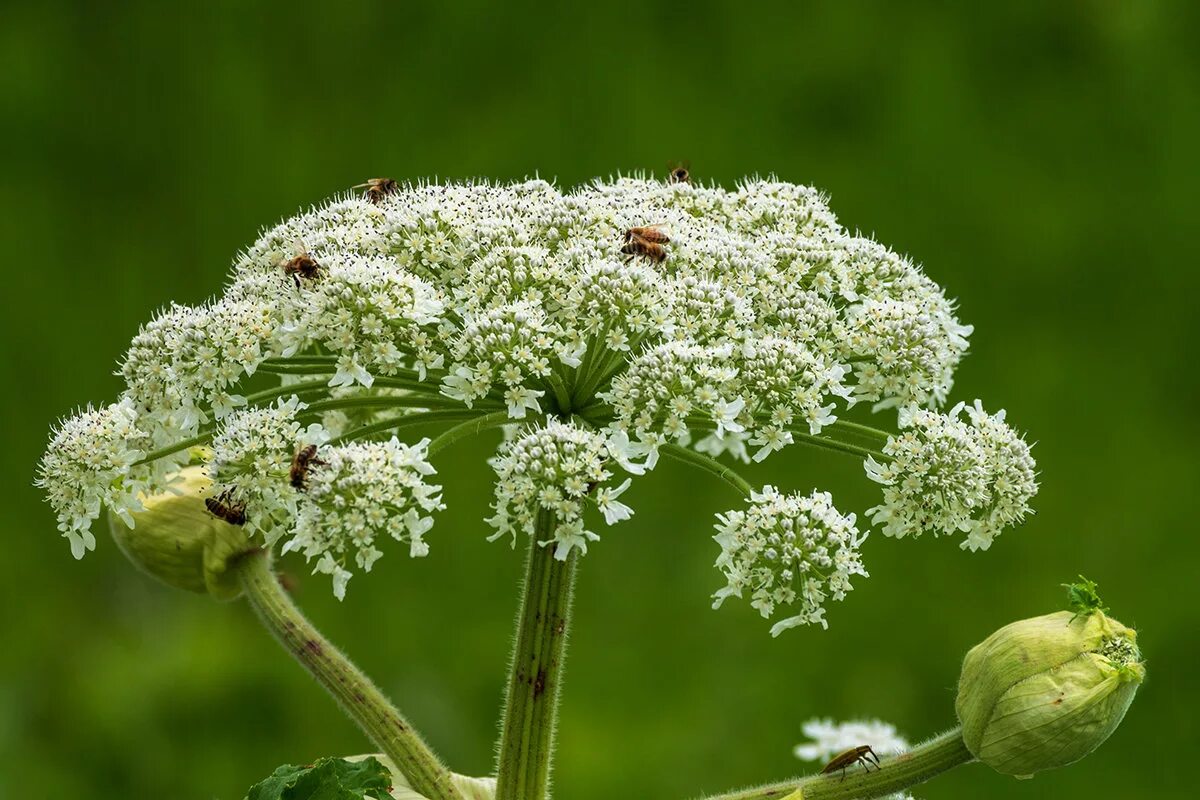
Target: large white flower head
x=359 y=493
x=949 y=475
x=788 y=550
x=606 y=324
x=556 y=470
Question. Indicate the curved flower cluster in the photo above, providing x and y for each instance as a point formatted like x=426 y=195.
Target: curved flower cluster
x=87 y=466
x=555 y=471
x=182 y=366
x=948 y=475
x=359 y=493
x=788 y=550
x=510 y=345
x=375 y=316
x=252 y=457
x=757 y=324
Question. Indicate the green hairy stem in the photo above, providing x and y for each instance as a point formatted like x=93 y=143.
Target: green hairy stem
x=895 y=773
x=527 y=738
x=356 y=694
x=707 y=463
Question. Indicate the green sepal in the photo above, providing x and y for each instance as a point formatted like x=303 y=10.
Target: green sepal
x=1083 y=599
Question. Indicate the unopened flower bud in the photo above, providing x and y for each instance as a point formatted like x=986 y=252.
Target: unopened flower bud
x=176 y=540
x=1044 y=692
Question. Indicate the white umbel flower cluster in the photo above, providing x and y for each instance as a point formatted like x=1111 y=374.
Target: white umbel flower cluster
x=736 y=323
x=555 y=470
x=949 y=475
x=788 y=550
x=359 y=493
x=830 y=738
x=87 y=466
x=252 y=458
x=372 y=314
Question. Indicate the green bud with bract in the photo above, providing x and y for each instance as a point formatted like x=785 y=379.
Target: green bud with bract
x=177 y=541
x=1044 y=692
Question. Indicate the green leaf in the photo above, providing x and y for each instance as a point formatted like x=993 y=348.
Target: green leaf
x=327 y=779
x=1082 y=598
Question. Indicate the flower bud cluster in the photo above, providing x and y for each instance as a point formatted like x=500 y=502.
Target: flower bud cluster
x=373 y=314
x=555 y=470
x=762 y=389
x=183 y=367
x=949 y=475
x=788 y=550
x=358 y=494
x=509 y=345
x=87 y=466
x=252 y=457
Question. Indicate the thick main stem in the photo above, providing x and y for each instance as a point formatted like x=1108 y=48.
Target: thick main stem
x=896 y=773
x=353 y=690
x=527 y=736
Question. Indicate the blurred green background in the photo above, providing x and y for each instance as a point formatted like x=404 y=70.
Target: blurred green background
x=1040 y=159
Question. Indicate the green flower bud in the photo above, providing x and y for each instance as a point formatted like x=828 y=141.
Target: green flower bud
x=1044 y=692
x=178 y=541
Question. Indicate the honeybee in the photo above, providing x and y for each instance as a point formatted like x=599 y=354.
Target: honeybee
x=863 y=754
x=378 y=188
x=679 y=172
x=223 y=507
x=302 y=265
x=305 y=457
x=646 y=242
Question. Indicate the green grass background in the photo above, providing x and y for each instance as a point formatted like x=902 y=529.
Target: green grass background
x=1039 y=158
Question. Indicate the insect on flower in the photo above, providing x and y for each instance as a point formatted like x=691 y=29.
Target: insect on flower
x=646 y=242
x=302 y=265
x=224 y=508
x=378 y=188
x=305 y=457
x=863 y=754
x=679 y=172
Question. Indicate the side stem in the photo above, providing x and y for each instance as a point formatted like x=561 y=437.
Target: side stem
x=353 y=690
x=895 y=773
x=527 y=735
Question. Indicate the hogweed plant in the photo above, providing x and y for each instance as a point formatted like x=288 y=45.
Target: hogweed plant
x=601 y=329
